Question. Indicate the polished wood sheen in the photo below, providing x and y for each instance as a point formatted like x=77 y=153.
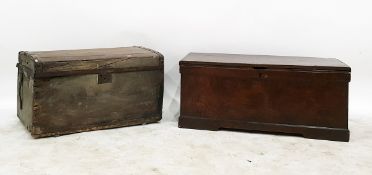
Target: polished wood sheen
x=296 y=95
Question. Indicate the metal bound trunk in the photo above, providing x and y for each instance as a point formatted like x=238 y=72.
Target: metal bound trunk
x=63 y=92
x=298 y=95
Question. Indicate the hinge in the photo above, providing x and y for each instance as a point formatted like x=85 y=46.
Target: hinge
x=20 y=86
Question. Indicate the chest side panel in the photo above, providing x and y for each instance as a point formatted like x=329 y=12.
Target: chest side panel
x=25 y=94
x=25 y=89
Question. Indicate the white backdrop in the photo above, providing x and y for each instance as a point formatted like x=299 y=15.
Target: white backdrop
x=340 y=29
x=317 y=28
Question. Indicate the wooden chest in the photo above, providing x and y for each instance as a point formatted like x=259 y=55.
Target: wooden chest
x=63 y=92
x=297 y=95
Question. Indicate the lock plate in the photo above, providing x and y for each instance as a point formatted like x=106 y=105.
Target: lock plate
x=104 y=78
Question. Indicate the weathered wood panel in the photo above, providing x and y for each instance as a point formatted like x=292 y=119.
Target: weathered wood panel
x=79 y=102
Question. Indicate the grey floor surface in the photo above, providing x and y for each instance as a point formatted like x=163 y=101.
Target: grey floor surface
x=163 y=148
